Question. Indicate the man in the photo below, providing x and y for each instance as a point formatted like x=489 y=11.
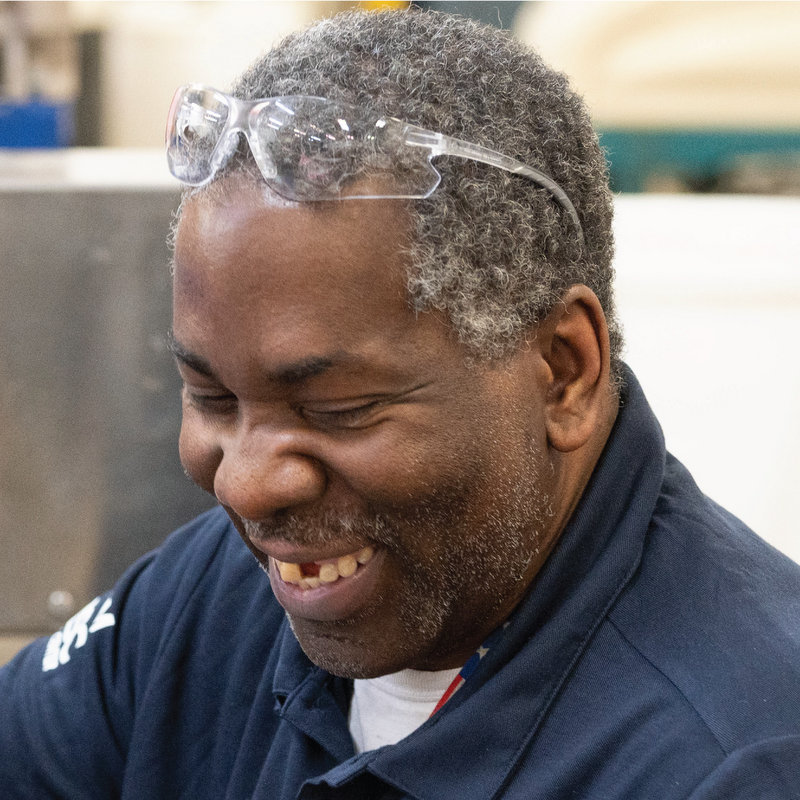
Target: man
x=487 y=578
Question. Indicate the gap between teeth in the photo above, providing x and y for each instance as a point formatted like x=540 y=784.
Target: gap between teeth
x=329 y=571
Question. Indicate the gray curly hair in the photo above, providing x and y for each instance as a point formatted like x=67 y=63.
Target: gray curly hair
x=493 y=251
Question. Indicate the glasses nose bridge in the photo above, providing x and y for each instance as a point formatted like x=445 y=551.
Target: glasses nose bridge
x=247 y=112
x=241 y=119
x=238 y=112
x=236 y=123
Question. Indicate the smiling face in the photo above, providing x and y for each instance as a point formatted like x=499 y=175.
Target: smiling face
x=397 y=496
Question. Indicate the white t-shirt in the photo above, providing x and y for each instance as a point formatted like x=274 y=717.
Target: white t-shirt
x=385 y=710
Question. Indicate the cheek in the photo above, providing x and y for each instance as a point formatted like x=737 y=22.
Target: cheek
x=390 y=466
x=405 y=466
x=199 y=453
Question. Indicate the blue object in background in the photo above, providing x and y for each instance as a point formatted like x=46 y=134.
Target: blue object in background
x=36 y=123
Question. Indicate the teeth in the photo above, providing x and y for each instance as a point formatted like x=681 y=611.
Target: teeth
x=329 y=571
x=346 y=566
x=289 y=572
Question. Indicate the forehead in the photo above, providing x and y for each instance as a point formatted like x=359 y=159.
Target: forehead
x=263 y=235
x=253 y=236
x=253 y=271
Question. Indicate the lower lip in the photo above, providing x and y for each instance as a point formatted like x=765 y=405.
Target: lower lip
x=341 y=599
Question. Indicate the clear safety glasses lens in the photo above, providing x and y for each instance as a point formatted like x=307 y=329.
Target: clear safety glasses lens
x=312 y=148
x=197 y=121
x=307 y=148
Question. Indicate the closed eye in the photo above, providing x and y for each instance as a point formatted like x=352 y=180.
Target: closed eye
x=357 y=416
x=211 y=403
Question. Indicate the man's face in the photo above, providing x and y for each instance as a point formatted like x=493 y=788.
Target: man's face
x=337 y=427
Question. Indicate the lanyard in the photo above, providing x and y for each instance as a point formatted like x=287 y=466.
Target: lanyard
x=469 y=668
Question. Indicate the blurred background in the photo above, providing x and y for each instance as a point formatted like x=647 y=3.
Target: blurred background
x=697 y=105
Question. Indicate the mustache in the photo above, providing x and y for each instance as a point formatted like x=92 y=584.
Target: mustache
x=320 y=528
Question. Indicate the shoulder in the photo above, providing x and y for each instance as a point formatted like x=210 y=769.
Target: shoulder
x=195 y=615
x=201 y=585
x=200 y=569
x=767 y=769
x=200 y=554
x=716 y=612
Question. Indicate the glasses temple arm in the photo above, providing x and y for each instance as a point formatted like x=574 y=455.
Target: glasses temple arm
x=440 y=145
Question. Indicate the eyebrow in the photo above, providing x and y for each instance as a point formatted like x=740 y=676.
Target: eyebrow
x=294 y=372
x=305 y=368
x=185 y=356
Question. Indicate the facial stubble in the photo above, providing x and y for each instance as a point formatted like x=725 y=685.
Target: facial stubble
x=454 y=558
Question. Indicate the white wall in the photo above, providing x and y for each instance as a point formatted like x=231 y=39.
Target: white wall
x=709 y=295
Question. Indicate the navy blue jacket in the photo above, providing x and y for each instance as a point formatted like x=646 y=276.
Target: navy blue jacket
x=657 y=656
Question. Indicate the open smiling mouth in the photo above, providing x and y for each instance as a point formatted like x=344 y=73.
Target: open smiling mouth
x=330 y=589
x=313 y=574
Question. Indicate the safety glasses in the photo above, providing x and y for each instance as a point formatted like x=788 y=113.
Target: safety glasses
x=312 y=148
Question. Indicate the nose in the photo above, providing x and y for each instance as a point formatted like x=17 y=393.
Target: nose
x=263 y=471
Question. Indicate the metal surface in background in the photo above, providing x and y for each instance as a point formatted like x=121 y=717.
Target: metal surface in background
x=89 y=398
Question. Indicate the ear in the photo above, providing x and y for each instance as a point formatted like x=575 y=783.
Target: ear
x=573 y=341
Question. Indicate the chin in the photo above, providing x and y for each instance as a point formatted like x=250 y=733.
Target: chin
x=347 y=655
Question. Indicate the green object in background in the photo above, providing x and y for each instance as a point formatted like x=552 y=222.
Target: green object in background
x=697 y=158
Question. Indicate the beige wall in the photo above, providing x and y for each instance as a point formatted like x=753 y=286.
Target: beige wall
x=152 y=48
x=10 y=645
x=673 y=64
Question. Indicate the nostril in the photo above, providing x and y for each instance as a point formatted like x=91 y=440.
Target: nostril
x=260 y=488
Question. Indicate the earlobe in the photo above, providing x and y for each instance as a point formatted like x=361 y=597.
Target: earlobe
x=574 y=344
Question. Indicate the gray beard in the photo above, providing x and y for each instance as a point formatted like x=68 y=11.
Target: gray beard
x=484 y=557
